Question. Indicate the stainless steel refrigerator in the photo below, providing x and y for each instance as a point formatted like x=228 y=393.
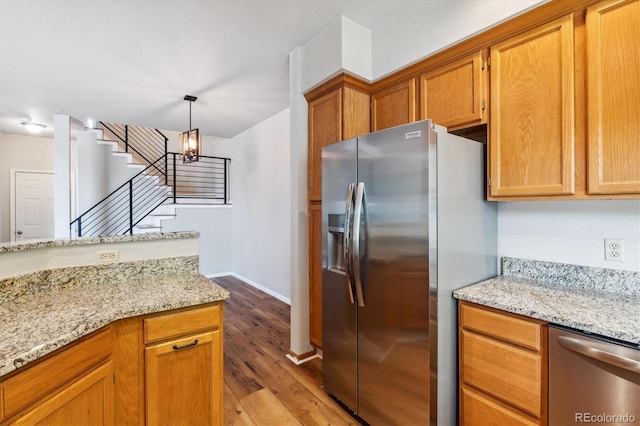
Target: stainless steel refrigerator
x=404 y=224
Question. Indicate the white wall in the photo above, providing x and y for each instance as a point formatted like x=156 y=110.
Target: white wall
x=215 y=243
x=342 y=45
x=20 y=152
x=261 y=205
x=570 y=231
x=99 y=172
x=427 y=27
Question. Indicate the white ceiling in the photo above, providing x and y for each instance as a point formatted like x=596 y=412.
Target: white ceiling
x=133 y=61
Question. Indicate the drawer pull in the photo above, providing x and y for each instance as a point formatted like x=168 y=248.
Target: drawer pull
x=189 y=345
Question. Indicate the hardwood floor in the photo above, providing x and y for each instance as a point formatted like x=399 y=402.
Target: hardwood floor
x=261 y=386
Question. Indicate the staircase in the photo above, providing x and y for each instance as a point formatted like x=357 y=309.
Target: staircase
x=142 y=203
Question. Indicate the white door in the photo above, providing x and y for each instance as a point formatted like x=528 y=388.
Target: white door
x=34 y=215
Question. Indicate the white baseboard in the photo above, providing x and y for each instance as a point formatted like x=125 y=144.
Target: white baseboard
x=219 y=274
x=297 y=361
x=253 y=284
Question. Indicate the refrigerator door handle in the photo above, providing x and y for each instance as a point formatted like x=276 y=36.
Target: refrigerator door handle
x=356 y=243
x=346 y=239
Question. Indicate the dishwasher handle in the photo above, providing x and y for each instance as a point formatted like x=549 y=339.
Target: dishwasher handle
x=576 y=345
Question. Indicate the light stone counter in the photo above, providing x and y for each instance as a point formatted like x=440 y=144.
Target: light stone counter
x=595 y=300
x=66 y=242
x=45 y=310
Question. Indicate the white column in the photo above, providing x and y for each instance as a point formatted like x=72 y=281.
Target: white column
x=61 y=153
x=299 y=277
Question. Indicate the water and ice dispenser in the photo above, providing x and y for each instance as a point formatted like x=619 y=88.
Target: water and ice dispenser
x=335 y=228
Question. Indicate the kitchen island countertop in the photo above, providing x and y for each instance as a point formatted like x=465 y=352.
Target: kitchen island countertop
x=607 y=303
x=50 y=296
x=36 y=324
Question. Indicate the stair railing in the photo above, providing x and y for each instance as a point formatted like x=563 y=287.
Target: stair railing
x=125 y=207
x=145 y=143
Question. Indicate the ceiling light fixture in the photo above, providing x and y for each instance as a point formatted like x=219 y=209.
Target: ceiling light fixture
x=190 y=140
x=32 y=127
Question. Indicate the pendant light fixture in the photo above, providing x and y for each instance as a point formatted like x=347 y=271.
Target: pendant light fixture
x=190 y=140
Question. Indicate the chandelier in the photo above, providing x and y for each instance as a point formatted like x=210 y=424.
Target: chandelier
x=190 y=140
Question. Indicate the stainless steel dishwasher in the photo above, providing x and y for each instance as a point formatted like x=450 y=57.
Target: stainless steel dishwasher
x=592 y=380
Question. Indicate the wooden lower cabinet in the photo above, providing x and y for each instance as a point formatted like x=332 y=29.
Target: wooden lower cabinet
x=183 y=379
x=503 y=368
x=86 y=401
x=183 y=367
x=164 y=368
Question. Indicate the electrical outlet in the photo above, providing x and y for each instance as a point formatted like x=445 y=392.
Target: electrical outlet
x=107 y=256
x=613 y=250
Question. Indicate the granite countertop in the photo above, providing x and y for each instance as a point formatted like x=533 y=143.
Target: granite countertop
x=33 y=244
x=595 y=300
x=39 y=322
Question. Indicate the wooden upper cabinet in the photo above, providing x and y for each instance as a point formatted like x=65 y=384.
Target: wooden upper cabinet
x=531 y=144
x=613 y=97
x=340 y=114
x=394 y=105
x=454 y=96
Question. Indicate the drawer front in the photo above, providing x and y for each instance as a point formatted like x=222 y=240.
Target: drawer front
x=527 y=333
x=478 y=409
x=509 y=373
x=39 y=380
x=182 y=323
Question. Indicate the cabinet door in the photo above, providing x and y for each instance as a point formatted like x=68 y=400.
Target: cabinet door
x=613 y=32
x=340 y=114
x=184 y=381
x=325 y=128
x=453 y=96
x=394 y=106
x=315 y=274
x=87 y=401
x=531 y=142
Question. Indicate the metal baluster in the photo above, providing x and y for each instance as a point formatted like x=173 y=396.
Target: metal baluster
x=131 y=207
x=174 y=178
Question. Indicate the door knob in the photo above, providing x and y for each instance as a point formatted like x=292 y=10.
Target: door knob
x=19 y=232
